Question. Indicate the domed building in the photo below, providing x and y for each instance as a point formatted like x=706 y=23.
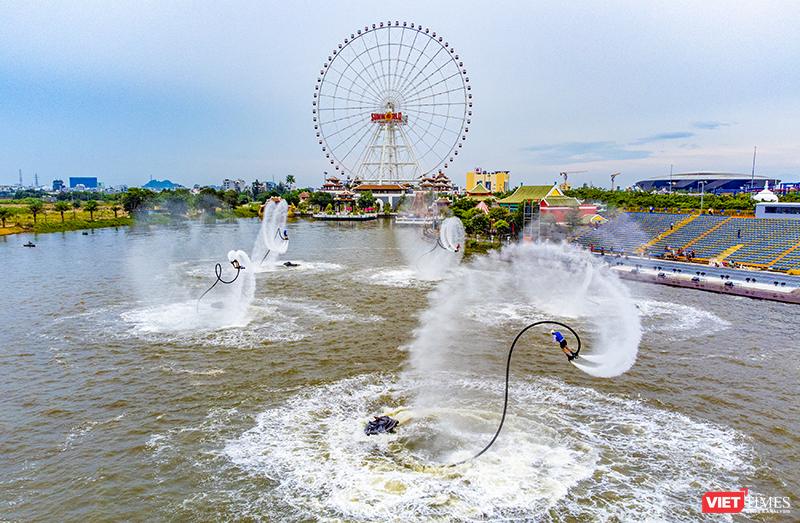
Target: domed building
x=710 y=182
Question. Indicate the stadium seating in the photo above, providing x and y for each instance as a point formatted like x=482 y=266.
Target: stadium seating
x=761 y=242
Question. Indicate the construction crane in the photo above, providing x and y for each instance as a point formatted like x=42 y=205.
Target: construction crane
x=565 y=186
x=612 y=180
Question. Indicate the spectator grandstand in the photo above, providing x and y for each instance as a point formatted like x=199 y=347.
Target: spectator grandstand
x=756 y=242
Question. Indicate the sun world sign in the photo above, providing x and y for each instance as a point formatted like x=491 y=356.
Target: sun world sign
x=379 y=117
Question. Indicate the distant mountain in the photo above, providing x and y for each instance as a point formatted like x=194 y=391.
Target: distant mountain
x=155 y=185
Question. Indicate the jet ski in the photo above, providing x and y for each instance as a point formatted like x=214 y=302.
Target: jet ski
x=380 y=424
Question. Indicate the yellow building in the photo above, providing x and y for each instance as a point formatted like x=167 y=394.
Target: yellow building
x=494 y=181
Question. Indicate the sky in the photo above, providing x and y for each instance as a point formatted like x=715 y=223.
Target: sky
x=196 y=92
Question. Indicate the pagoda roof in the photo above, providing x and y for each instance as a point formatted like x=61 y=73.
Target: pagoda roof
x=531 y=192
x=479 y=189
x=562 y=201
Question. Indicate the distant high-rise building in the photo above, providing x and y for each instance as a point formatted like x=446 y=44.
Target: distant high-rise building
x=236 y=185
x=58 y=185
x=86 y=182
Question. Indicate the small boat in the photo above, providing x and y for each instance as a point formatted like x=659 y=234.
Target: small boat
x=29 y=244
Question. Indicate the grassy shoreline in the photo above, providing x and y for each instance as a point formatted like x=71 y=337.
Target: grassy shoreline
x=71 y=225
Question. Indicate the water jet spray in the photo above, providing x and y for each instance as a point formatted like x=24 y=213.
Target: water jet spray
x=284 y=237
x=508 y=369
x=218 y=272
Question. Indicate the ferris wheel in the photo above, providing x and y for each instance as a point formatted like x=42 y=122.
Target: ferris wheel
x=392 y=104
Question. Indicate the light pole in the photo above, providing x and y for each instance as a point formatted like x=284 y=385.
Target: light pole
x=702 y=192
x=670 y=178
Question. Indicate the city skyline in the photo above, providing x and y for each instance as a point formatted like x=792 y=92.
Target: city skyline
x=130 y=91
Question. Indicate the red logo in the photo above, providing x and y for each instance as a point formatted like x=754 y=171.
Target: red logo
x=377 y=117
x=724 y=502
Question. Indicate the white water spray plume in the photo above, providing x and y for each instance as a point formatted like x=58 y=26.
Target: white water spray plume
x=272 y=239
x=435 y=253
x=225 y=304
x=494 y=297
x=452 y=234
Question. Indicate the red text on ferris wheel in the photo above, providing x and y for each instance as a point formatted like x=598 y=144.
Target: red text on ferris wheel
x=378 y=117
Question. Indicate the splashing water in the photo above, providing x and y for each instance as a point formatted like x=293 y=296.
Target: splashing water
x=223 y=306
x=573 y=452
x=435 y=256
x=233 y=300
x=272 y=239
x=451 y=234
x=520 y=285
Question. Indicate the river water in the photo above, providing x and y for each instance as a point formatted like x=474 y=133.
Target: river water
x=126 y=399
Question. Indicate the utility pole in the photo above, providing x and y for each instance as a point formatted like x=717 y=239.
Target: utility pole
x=702 y=193
x=670 y=178
x=752 y=176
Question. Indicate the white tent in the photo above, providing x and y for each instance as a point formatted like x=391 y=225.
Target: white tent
x=766 y=195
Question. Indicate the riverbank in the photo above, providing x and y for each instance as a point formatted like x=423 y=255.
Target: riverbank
x=71 y=225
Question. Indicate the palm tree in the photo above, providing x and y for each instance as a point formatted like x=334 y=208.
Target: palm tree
x=91 y=206
x=36 y=207
x=116 y=208
x=61 y=207
x=75 y=206
x=289 y=180
x=5 y=213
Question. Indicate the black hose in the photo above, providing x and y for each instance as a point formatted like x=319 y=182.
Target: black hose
x=218 y=271
x=277 y=235
x=281 y=236
x=438 y=244
x=508 y=369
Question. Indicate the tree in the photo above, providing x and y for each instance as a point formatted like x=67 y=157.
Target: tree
x=290 y=180
x=91 y=206
x=366 y=200
x=177 y=202
x=135 y=199
x=244 y=198
x=321 y=199
x=501 y=227
x=75 y=206
x=5 y=213
x=116 y=208
x=36 y=206
x=499 y=213
x=231 y=198
x=207 y=200
x=61 y=207
x=480 y=223
x=292 y=197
